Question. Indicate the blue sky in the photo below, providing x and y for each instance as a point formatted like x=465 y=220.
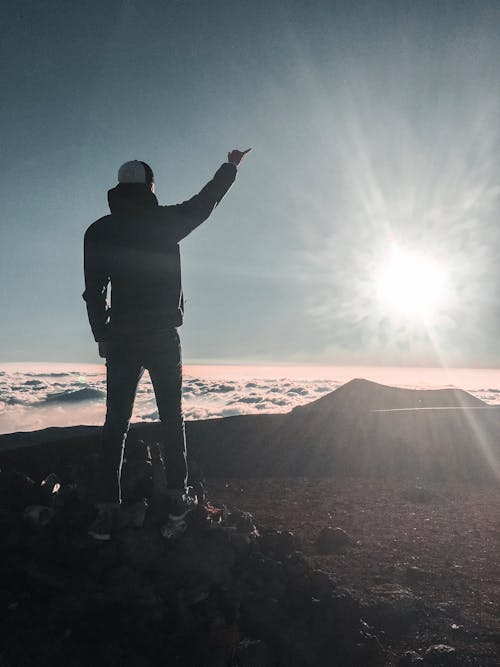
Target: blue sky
x=370 y=123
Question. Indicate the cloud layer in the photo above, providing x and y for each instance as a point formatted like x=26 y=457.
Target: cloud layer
x=35 y=399
x=32 y=400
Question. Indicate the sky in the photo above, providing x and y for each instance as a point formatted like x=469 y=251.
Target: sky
x=374 y=130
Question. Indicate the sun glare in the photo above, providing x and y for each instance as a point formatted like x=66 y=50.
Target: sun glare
x=411 y=286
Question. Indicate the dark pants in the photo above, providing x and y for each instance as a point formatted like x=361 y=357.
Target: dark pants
x=126 y=361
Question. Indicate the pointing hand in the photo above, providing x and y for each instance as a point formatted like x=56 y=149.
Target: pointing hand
x=235 y=156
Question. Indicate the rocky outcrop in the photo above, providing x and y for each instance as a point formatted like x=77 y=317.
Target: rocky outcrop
x=223 y=594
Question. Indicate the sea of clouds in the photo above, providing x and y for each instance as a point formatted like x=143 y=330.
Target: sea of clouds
x=31 y=400
x=35 y=398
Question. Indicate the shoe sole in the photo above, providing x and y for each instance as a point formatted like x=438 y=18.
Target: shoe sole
x=179 y=517
x=102 y=537
x=173 y=529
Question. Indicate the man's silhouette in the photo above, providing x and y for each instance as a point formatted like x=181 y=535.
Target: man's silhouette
x=136 y=251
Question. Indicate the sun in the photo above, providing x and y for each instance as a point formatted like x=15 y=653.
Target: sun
x=411 y=286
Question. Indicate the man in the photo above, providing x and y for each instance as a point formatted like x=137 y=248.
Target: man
x=136 y=251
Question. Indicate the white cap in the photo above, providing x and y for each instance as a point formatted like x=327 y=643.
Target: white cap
x=132 y=172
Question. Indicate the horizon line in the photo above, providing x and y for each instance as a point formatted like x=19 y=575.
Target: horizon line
x=245 y=364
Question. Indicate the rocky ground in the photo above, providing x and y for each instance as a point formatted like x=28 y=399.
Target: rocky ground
x=275 y=572
x=423 y=560
x=223 y=594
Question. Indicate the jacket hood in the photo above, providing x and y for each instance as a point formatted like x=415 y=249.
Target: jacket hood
x=131 y=198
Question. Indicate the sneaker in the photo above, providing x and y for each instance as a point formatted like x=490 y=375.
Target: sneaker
x=180 y=506
x=103 y=524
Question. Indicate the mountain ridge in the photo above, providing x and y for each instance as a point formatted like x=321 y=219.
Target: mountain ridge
x=339 y=433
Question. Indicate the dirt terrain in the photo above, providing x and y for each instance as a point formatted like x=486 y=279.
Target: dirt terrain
x=423 y=559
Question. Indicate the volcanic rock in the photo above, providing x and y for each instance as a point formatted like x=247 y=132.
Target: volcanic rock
x=137 y=472
x=38 y=515
x=331 y=540
x=243 y=521
x=441 y=654
x=219 y=593
x=392 y=607
x=278 y=544
x=410 y=658
x=322 y=584
x=17 y=491
x=144 y=552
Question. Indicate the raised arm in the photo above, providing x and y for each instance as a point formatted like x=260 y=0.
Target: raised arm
x=96 y=284
x=191 y=213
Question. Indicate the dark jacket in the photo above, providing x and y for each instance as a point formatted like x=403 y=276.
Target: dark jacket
x=136 y=249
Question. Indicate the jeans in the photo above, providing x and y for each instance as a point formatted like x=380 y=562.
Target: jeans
x=126 y=360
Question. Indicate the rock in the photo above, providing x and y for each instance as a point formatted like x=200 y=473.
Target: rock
x=137 y=472
x=278 y=544
x=322 y=584
x=276 y=589
x=13 y=530
x=255 y=563
x=368 y=650
x=272 y=570
x=215 y=514
x=441 y=654
x=296 y=565
x=243 y=521
x=265 y=573
x=138 y=598
x=158 y=511
x=73 y=513
x=252 y=653
x=241 y=543
x=410 y=658
x=266 y=618
x=38 y=515
x=125 y=586
x=332 y=540
x=17 y=491
x=202 y=518
x=334 y=623
x=208 y=554
x=392 y=607
x=343 y=606
x=142 y=550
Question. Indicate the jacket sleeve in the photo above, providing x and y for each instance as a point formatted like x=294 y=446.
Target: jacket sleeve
x=190 y=214
x=96 y=285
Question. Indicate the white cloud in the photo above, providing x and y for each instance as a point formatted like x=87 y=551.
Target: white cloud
x=78 y=397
